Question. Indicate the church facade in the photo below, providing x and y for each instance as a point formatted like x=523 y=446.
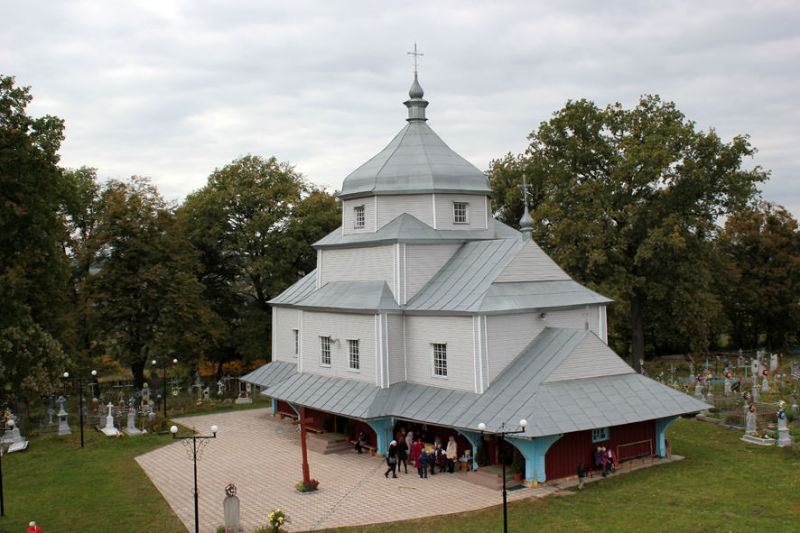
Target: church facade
x=426 y=312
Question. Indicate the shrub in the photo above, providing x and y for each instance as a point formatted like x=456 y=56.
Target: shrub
x=275 y=522
x=307 y=487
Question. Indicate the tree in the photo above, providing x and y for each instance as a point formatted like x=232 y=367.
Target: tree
x=33 y=267
x=145 y=298
x=627 y=201
x=253 y=224
x=762 y=247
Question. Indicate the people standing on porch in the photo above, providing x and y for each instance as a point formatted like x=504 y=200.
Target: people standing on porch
x=422 y=461
x=391 y=460
x=432 y=458
x=581 y=475
x=441 y=459
x=409 y=441
x=612 y=460
x=416 y=449
x=402 y=455
x=598 y=458
x=452 y=454
x=400 y=435
x=605 y=462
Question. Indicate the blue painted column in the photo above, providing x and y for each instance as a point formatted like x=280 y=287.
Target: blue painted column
x=474 y=439
x=383 y=429
x=534 y=450
x=274 y=406
x=661 y=434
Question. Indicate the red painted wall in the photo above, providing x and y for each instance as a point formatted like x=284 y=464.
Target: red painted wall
x=566 y=453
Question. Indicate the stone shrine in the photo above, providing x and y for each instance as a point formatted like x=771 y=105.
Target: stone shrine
x=231 y=511
x=784 y=437
x=63 y=426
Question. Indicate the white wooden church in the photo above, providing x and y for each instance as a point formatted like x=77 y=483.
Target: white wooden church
x=427 y=313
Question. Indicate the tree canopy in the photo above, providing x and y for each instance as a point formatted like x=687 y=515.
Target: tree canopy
x=626 y=200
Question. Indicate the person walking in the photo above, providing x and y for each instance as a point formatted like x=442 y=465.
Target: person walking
x=361 y=442
x=581 y=475
x=604 y=461
x=391 y=460
x=402 y=455
x=452 y=454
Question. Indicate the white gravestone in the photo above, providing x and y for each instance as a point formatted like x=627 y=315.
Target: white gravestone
x=756 y=394
x=773 y=362
x=784 y=438
x=131 y=428
x=109 y=429
x=698 y=389
x=230 y=510
x=14 y=439
x=764 y=384
x=727 y=388
x=63 y=425
x=750 y=421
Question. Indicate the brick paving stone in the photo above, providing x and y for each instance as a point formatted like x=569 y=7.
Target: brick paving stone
x=261 y=455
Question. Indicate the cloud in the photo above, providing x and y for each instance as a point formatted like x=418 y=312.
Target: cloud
x=175 y=89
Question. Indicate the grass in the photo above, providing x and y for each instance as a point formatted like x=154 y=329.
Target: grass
x=722 y=485
x=98 y=488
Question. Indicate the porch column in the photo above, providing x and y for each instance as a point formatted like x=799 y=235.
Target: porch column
x=383 y=429
x=474 y=439
x=661 y=434
x=534 y=450
x=295 y=408
x=274 y=406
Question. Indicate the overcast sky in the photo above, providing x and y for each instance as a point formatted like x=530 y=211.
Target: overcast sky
x=174 y=89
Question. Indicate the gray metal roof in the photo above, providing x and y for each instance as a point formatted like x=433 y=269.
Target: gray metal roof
x=521 y=391
x=351 y=295
x=415 y=161
x=299 y=290
x=409 y=229
x=538 y=295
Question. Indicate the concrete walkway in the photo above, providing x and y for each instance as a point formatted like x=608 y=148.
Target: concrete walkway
x=261 y=456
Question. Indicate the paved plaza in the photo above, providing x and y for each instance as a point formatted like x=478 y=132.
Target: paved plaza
x=261 y=455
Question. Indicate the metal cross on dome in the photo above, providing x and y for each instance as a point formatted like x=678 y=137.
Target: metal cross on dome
x=416 y=55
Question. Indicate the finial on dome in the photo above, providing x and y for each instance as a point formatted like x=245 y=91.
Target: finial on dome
x=416 y=104
x=526 y=222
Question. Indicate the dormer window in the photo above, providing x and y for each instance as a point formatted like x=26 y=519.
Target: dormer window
x=460 y=213
x=358 y=217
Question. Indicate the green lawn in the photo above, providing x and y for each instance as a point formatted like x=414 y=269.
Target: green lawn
x=723 y=485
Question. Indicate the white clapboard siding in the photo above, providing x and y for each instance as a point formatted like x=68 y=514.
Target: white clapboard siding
x=416 y=205
x=532 y=264
x=397 y=371
x=422 y=332
x=477 y=218
x=284 y=321
x=508 y=335
x=342 y=327
x=358 y=264
x=423 y=261
x=348 y=215
x=591 y=358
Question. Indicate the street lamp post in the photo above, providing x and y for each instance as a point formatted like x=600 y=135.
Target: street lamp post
x=80 y=381
x=195 y=449
x=10 y=425
x=502 y=433
x=163 y=367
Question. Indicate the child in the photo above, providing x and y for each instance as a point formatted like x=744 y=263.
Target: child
x=581 y=474
x=422 y=464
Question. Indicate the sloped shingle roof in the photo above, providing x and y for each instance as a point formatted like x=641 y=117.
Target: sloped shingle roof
x=519 y=392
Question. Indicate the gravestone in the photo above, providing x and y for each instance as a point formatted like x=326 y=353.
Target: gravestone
x=14 y=439
x=230 y=510
x=206 y=393
x=726 y=391
x=244 y=394
x=220 y=388
x=764 y=384
x=784 y=437
x=773 y=362
x=709 y=392
x=109 y=430
x=131 y=428
x=698 y=388
x=63 y=425
x=750 y=420
x=754 y=391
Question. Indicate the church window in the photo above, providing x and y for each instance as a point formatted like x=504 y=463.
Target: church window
x=325 y=351
x=460 y=212
x=358 y=216
x=296 y=342
x=599 y=434
x=440 y=360
x=355 y=362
